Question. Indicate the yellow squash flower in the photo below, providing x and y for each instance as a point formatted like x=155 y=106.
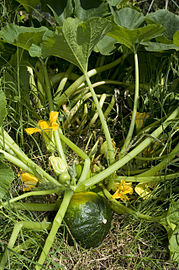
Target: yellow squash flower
x=29 y=181
x=45 y=126
x=123 y=189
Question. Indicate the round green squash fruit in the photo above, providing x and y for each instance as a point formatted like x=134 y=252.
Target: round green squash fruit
x=88 y=218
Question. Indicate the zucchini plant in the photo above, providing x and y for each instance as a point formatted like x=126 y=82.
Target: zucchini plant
x=74 y=42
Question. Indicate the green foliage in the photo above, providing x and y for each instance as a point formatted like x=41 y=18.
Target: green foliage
x=76 y=40
x=23 y=37
x=6 y=176
x=29 y=6
x=166 y=18
x=128 y=18
x=130 y=38
x=176 y=38
x=3 y=110
x=173 y=230
x=87 y=9
x=61 y=10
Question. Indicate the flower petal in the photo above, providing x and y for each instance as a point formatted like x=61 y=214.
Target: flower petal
x=30 y=131
x=29 y=181
x=123 y=189
x=44 y=125
x=53 y=116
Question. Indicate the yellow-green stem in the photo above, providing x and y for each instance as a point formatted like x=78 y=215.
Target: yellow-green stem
x=110 y=152
x=55 y=226
x=132 y=124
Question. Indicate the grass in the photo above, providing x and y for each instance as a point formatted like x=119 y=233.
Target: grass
x=129 y=245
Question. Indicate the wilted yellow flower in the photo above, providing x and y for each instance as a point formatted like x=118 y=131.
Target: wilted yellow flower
x=29 y=181
x=45 y=126
x=123 y=189
x=140 y=119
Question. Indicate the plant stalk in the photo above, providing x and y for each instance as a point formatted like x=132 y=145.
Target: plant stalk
x=55 y=226
x=65 y=96
x=117 y=165
x=51 y=108
x=136 y=97
x=110 y=152
x=29 y=194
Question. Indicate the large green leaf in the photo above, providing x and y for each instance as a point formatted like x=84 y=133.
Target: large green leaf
x=131 y=37
x=88 y=9
x=116 y=2
x=6 y=51
x=158 y=47
x=106 y=46
x=6 y=177
x=128 y=17
x=76 y=40
x=29 y=5
x=61 y=10
x=22 y=36
x=173 y=215
x=176 y=38
x=168 y=19
x=174 y=245
x=173 y=223
x=3 y=110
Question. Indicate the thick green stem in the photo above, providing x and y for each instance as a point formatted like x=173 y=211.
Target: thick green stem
x=132 y=124
x=110 y=152
x=16 y=161
x=145 y=179
x=122 y=209
x=162 y=164
x=7 y=140
x=48 y=87
x=32 y=168
x=64 y=80
x=22 y=161
x=74 y=147
x=65 y=96
x=85 y=171
x=35 y=206
x=55 y=226
x=51 y=108
x=29 y=194
x=117 y=165
x=59 y=144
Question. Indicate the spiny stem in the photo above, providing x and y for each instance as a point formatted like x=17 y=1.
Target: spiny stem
x=30 y=167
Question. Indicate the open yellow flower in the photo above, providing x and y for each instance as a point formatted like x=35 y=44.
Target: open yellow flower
x=123 y=189
x=45 y=126
x=29 y=181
